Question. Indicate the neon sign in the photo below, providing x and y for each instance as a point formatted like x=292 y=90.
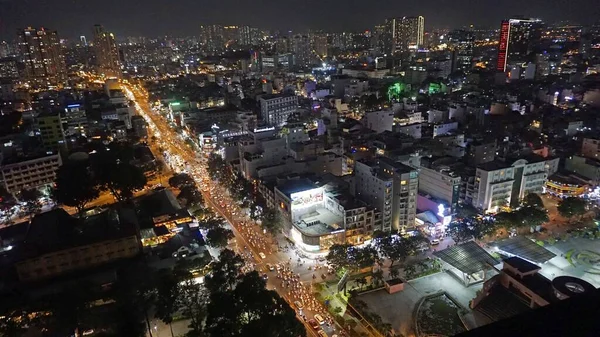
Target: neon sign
x=503 y=46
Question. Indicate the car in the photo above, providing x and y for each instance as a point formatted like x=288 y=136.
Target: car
x=265 y=276
x=322 y=333
x=313 y=324
x=262 y=255
x=270 y=267
x=435 y=242
x=298 y=305
x=320 y=319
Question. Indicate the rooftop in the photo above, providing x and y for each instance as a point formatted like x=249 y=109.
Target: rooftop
x=296 y=185
x=493 y=165
x=521 y=265
x=467 y=257
x=319 y=222
x=524 y=248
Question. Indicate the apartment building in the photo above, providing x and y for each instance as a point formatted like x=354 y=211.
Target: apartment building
x=389 y=187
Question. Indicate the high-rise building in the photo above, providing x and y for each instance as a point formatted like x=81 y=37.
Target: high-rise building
x=518 y=39
x=231 y=35
x=301 y=48
x=461 y=41
x=378 y=40
x=107 y=54
x=5 y=49
x=409 y=33
x=83 y=40
x=391 y=188
x=319 y=44
x=249 y=36
x=212 y=38
x=41 y=54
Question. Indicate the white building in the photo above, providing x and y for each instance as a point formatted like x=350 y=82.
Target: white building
x=275 y=109
x=389 y=187
x=444 y=128
x=379 y=121
x=499 y=183
x=440 y=181
x=30 y=173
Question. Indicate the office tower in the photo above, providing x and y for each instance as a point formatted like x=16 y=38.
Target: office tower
x=8 y=68
x=518 y=38
x=107 y=54
x=391 y=188
x=300 y=46
x=212 y=38
x=461 y=42
x=409 y=33
x=83 y=40
x=41 y=54
x=275 y=109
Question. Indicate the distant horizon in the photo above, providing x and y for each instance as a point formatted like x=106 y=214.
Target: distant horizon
x=181 y=18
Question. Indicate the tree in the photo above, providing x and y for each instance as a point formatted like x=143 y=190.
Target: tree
x=249 y=309
x=394 y=272
x=533 y=200
x=399 y=248
x=167 y=294
x=190 y=195
x=225 y=272
x=378 y=276
x=30 y=199
x=193 y=300
x=338 y=256
x=571 y=206
x=363 y=257
x=181 y=179
x=114 y=172
x=271 y=221
x=533 y=216
x=219 y=237
x=75 y=185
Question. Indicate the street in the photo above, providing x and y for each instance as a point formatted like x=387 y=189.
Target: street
x=300 y=271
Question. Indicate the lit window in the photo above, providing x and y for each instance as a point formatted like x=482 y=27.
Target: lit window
x=403 y=182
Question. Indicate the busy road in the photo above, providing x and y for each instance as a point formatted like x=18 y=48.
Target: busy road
x=285 y=269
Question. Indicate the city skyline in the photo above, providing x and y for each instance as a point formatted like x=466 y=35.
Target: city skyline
x=183 y=18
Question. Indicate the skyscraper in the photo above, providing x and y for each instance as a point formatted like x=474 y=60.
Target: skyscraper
x=212 y=38
x=518 y=38
x=409 y=33
x=301 y=49
x=42 y=56
x=402 y=34
x=107 y=54
x=461 y=41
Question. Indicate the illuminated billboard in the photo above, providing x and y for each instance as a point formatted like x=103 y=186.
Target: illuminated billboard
x=307 y=198
x=503 y=46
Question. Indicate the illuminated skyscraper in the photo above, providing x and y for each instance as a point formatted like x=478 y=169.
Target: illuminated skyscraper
x=107 y=54
x=409 y=33
x=301 y=49
x=402 y=34
x=41 y=54
x=461 y=42
x=518 y=38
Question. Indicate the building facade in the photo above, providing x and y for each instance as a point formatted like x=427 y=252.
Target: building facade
x=275 y=109
x=42 y=55
x=107 y=53
x=31 y=173
x=389 y=187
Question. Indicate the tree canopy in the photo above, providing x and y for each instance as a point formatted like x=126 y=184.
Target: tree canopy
x=571 y=206
x=75 y=185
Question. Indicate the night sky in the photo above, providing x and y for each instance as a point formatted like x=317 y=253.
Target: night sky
x=183 y=17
